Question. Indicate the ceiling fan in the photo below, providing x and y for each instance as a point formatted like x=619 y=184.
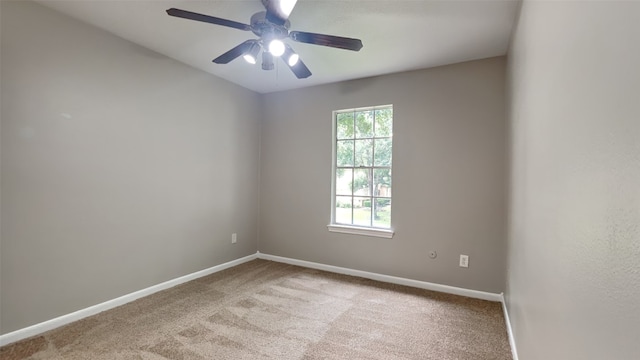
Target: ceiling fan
x=272 y=27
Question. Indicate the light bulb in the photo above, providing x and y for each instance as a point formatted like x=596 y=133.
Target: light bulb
x=276 y=47
x=293 y=59
x=250 y=59
x=251 y=55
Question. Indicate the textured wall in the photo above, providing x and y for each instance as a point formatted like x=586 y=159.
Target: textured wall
x=574 y=231
x=448 y=175
x=121 y=168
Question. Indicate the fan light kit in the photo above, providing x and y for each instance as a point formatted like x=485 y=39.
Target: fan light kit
x=272 y=28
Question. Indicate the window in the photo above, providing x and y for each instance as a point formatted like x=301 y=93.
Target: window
x=361 y=176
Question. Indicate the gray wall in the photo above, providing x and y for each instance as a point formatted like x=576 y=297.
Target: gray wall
x=121 y=168
x=449 y=170
x=574 y=230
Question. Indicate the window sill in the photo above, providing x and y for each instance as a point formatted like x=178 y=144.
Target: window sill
x=355 y=230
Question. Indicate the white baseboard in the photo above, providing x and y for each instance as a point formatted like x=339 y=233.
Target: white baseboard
x=386 y=278
x=512 y=340
x=95 y=309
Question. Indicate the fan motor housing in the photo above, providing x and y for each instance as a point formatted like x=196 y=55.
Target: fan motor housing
x=266 y=29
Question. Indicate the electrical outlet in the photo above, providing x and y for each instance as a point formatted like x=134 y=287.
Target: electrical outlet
x=234 y=238
x=464 y=261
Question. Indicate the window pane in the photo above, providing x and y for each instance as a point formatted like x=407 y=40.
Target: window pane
x=382 y=213
x=384 y=122
x=343 y=209
x=344 y=182
x=344 y=122
x=362 y=169
x=362 y=182
x=382 y=156
x=344 y=153
x=364 y=152
x=364 y=124
x=362 y=211
x=382 y=182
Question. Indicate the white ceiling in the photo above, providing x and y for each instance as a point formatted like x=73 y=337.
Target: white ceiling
x=398 y=35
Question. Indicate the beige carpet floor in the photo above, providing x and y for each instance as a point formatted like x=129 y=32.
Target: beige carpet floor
x=268 y=310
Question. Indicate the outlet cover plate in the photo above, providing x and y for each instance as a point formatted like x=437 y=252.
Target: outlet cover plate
x=464 y=261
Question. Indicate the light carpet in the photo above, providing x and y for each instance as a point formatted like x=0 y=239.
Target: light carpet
x=268 y=310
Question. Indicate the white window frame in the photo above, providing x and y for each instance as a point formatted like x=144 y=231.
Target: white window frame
x=344 y=228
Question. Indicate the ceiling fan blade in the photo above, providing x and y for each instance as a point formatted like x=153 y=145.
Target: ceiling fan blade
x=326 y=40
x=278 y=11
x=208 y=19
x=300 y=69
x=234 y=53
